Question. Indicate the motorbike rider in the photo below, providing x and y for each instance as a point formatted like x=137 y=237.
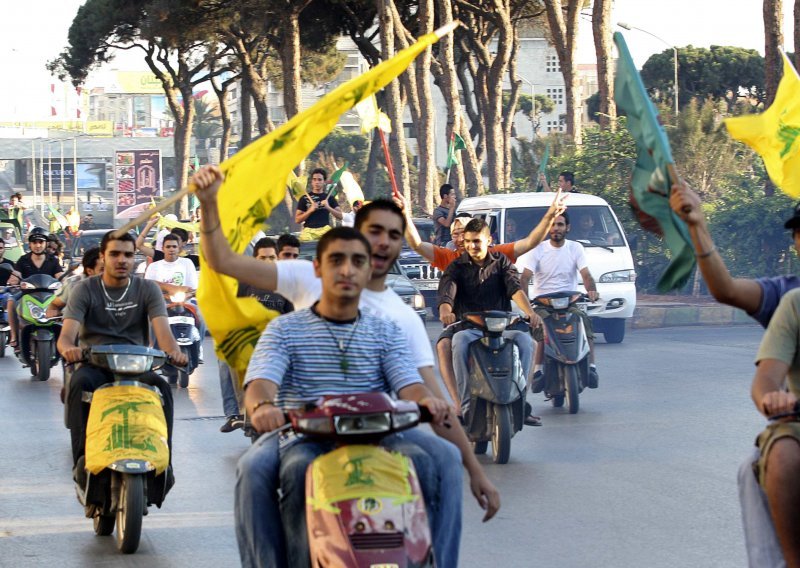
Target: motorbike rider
x=555 y=264
x=759 y=298
x=92 y=264
x=381 y=222
x=441 y=257
x=353 y=351
x=479 y=281
x=112 y=308
x=37 y=261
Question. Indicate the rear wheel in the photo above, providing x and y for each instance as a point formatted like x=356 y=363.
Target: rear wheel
x=614 y=330
x=44 y=352
x=104 y=524
x=129 y=513
x=3 y=343
x=501 y=433
x=572 y=391
x=558 y=401
x=183 y=377
x=481 y=447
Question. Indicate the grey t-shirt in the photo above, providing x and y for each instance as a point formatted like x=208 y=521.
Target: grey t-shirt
x=125 y=320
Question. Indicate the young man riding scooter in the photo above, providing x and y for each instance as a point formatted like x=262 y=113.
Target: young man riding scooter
x=381 y=222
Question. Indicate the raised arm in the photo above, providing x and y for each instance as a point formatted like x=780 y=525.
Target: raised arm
x=737 y=292
x=412 y=235
x=146 y=250
x=540 y=231
x=300 y=216
x=545 y=185
x=216 y=249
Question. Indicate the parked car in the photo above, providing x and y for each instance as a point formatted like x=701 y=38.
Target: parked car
x=12 y=235
x=88 y=239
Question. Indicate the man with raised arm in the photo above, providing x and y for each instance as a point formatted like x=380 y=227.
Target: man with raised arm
x=382 y=223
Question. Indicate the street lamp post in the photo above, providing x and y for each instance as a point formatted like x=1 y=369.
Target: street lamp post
x=627 y=26
x=533 y=105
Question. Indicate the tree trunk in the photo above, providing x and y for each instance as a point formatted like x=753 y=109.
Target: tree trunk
x=564 y=33
x=394 y=106
x=247 y=118
x=224 y=115
x=290 y=61
x=601 y=29
x=773 y=36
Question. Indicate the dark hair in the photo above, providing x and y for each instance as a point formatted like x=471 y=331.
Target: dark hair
x=109 y=236
x=477 y=225
x=18 y=195
x=182 y=233
x=90 y=258
x=378 y=205
x=172 y=237
x=264 y=243
x=445 y=190
x=568 y=177
x=287 y=240
x=341 y=234
x=566 y=217
x=319 y=171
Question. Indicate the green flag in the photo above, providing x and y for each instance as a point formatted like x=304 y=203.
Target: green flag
x=333 y=183
x=543 y=167
x=456 y=143
x=650 y=183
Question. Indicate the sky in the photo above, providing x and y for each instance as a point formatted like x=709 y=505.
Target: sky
x=35 y=34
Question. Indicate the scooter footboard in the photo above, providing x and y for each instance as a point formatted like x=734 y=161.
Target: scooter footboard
x=364 y=507
x=496 y=375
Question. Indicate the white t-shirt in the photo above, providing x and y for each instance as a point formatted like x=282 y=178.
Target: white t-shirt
x=298 y=284
x=555 y=269
x=348 y=219
x=181 y=272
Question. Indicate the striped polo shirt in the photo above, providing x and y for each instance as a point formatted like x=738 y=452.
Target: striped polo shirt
x=308 y=356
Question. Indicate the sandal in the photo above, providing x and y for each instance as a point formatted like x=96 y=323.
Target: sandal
x=531 y=420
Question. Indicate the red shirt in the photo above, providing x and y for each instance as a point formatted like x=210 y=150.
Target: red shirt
x=442 y=257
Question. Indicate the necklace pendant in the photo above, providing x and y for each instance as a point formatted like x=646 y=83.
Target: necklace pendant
x=343 y=364
x=341 y=345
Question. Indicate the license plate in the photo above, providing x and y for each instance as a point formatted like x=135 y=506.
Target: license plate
x=181 y=319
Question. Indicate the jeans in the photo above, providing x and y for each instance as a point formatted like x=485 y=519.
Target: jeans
x=763 y=548
x=461 y=342
x=261 y=534
x=230 y=398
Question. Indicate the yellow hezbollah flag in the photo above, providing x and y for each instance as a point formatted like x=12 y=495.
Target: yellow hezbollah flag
x=255 y=181
x=774 y=132
x=296 y=185
x=126 y=422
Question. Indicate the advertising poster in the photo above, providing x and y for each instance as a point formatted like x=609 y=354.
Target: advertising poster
x=137 y=180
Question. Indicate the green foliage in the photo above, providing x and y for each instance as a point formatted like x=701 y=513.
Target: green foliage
x=207 y=122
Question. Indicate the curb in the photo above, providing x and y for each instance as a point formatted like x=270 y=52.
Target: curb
x=648 y=316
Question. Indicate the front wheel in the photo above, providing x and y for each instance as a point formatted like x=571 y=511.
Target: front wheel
x=129 y=512
x=571 y=387
x=44 y=352
x=3 y=343
x=104 y=525
x=501 y=434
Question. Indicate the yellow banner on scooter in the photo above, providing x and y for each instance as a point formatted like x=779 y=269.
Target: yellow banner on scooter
x=358 y=472
x=126 y=422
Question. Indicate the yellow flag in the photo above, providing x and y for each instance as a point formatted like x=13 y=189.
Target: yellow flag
x=255 y=181
x=164 y=223
x=371 y=116
x=296 y=185
x=774 y=132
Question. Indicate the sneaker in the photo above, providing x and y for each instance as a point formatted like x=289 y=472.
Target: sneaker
x=594 y=379
x=537 y=384
x=233 y=422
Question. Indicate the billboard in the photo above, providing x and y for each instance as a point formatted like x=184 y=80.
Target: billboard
x=91 y=175
x=134 y=83
x=137 y=180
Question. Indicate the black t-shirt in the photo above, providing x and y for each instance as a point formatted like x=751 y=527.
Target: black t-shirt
x=159 y=255
x=27 y=268
x=269 y=300
x=320 y=217
x=4 y=274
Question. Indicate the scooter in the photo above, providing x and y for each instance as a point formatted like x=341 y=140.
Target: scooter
x=37 y=333
x=127 y=459
x=5 y=328
x=496 y=385
x=183 y=323
x=364 y=504
x=566 y=348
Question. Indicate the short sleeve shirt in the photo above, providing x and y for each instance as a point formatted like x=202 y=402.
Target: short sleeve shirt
x=114 y=315
x=27 y=268
x=442 y=233
x=180 y=273
x=781 y=341
x=442 y=257
x=772 y=290
x=320 y=217
x=555 y=269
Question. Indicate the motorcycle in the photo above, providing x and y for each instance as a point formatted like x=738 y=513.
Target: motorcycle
x=38 y=334
x=364 y=504
x=5 y=328
x=496 y=385
x=127 y=457
x=566 y=348
x=184 y=326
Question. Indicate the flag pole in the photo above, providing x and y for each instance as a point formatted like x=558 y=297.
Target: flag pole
x=388 y=158
x=450 y=151
x=146 y=214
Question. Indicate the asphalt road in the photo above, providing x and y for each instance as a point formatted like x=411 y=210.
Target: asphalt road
x=644 y=475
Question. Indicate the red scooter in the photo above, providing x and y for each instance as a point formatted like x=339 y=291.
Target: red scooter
x=364 y=505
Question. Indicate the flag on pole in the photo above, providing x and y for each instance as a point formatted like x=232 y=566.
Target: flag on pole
x=350 y=188
x=58 y=218
x=371 y=116
x=543 y=167
x=296 y=185
x=773 y=134
x=249 y=196
x=651 y=182
x=456 y=144
x=333 y=183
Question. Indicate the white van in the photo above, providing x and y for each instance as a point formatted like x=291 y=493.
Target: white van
x=592 y=223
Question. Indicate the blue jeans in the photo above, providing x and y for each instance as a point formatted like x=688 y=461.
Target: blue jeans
x=763 y=548
x=461 y=342
x=230 y=400
x=260 y=532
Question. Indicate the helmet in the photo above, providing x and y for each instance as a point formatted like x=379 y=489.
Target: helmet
x=37 y=234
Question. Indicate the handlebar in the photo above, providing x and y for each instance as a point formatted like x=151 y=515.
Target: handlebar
x=792 y=414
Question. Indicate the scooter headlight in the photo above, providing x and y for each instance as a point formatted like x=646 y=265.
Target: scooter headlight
x=36 y=311
x=559 y=303
x=315 y=425
x=54 y=286
x=178 y=297
x=363 y=424
x=403 y=420
x=496 y=325
x=27 y=286
x=127 y=363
